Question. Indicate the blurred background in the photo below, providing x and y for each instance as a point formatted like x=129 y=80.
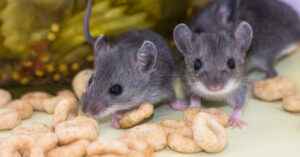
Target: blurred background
x=42 y=42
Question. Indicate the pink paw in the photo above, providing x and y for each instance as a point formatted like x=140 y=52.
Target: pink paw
x=179 y=105
x=195 y=102
x=236 y=122
x=115 y=120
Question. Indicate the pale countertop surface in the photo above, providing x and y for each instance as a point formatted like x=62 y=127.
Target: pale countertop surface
x=271 y=131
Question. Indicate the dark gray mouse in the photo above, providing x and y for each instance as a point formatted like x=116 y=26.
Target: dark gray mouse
x=220 y=44
x=129 y=69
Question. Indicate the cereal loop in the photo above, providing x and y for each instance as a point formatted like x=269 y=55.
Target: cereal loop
x=35 y=99
x=292 y=103
x=136 y=116
x=31 y=129
x=9 y=118
x=210 y=135
x=66 y=93
x=154 y=135
x=18 y=143
x=76 y=129
x=23 y=107
x=5 y=97
x=80 y=82
x=273 y=89
x=182 y=141
x=66 y=108
x=76 y=149
x=171 y=125
x=218 y=114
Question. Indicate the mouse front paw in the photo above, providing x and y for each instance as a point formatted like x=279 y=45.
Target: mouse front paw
x=236 y=122
x=179 y=105
x=115 y=120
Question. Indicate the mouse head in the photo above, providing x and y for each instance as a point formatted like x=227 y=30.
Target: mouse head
x=214 y=61
x=219 y=14
x=120 y=77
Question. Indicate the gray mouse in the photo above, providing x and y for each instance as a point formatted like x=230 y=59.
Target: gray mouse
x=129 y=69
x=218 y=50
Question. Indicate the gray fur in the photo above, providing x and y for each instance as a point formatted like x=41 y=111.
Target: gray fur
x=275 y=26
x=141 y=62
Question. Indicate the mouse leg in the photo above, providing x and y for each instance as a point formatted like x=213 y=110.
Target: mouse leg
x=271 y=73
x=195 y=102
x=179 y=105
x=238 y=100
x=115 y=120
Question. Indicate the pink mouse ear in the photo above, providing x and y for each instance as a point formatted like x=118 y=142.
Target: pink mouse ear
x=226 y=11
x=146 y=57
x=100 y=45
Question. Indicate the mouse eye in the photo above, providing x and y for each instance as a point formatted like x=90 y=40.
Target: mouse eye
x=90 y=80
x=231 y=63
x=115 y=89
x=197 y=64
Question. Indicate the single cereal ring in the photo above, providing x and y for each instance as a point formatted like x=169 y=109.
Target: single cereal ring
x=20 y=142
x=41 y=133
x=80 y=82
x=9 y=118
x=76 y=129
x=22 y=106
x=5 y=97
x=66 y=93
x=221 y=116
x=172 y=125
x=76 y=149
x=154 y=135
x=50 y=104
x=209 y=134
x=66 y=108
x=116 y=147
x=136 y=116
x=36 y=99
x=31 y=128
x=182 y=141
x=273 y=89
x=138 y=148
x=292 y=103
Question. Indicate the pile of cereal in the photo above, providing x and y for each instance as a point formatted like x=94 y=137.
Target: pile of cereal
x=278 y=88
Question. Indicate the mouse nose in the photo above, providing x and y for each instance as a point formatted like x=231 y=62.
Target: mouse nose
x=94 y=108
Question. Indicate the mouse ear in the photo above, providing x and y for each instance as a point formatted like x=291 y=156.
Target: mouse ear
x=243 y=35
x=146 y=57
x=226 y=11
x=183 y=38
x=100 y=45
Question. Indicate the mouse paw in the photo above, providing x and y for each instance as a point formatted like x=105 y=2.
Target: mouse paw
x=195 y=102
x=236 y=122
x=179 y=105
x=115 y=120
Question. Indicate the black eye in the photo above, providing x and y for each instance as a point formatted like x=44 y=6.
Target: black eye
x=231 y=63
x=198 y=30
x=115 y=89
x=90 y=80
x=197 y=64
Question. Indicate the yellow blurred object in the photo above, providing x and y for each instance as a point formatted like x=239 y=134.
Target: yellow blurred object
x=51 y=36
x=28 y=64
x=55 y=27
x=89 y=58
x=56 y=77
x=75 y=66
x=39 y=73
x=15 y=75
x=45 y=59
x=24 y=81
x=50 y=67
x=63 y=68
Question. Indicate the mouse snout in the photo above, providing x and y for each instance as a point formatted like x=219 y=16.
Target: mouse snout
x=214 y=84
x=94 y=108
x=214 y=87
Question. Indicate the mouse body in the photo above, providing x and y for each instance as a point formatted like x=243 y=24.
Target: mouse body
x=228 y=39
x=130 y=69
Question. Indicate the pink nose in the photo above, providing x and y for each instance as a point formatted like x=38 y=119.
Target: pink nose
x=215 y=88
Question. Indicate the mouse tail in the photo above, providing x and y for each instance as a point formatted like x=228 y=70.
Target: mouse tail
x=86 y=29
